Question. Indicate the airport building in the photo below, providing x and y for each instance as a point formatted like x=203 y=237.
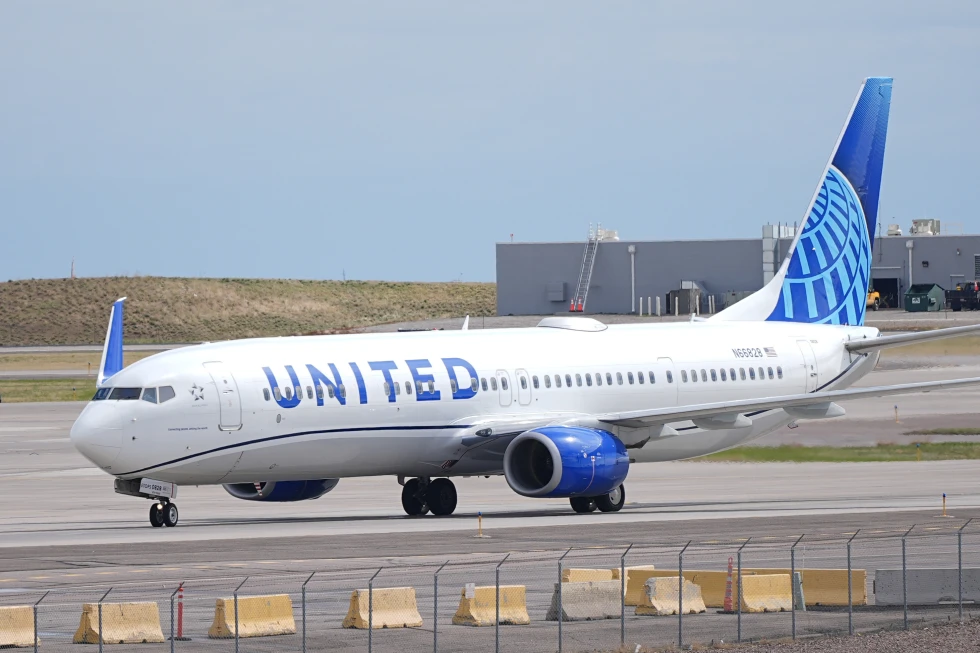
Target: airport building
x=620 y=276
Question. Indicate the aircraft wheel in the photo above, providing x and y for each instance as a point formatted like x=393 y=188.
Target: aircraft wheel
x=170 y=515
x=613 y=501
x=410 y=502
x=156 y=515
x=441 y=496
x=583 y=504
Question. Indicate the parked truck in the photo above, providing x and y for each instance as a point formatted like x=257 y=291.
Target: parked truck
x=965 y=295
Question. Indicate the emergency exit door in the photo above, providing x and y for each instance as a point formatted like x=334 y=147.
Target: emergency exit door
x=228 y=399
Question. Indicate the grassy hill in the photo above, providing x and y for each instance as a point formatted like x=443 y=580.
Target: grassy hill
x=66 y=311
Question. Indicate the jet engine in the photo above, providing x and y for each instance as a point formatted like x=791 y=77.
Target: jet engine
x=565 y=461
x=281 y=491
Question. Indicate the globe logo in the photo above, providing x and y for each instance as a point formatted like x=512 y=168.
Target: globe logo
x=827 y=278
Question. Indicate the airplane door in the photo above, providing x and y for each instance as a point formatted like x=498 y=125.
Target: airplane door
x=523 y=388
x=668 y=374
x=228 y=398
x=809 y=365
x=503 y=387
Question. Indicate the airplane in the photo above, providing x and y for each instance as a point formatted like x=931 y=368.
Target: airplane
x=561 y=410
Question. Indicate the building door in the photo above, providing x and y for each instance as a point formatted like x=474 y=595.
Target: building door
x=228 y=399
x=503 y=387
x=523 y=387
x=809 y=365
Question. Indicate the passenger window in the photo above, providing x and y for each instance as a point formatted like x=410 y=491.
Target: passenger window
x=330 y=392
x=752 y=373
x=309 y=392
x=608 y=378
x=474 y=385
x=299 y=392
x=724 y=375
x=166 y=393
x=629 y=377
x=483 y=382
x=714 y=376
x=598 y=378
x=694 y=376
x=670 y=377
x=534 y=382
x=503 y=383
x=523 y=380
x=452 y=386
x=557 y=380
x=398 y=387
x=762 y=374
x=388 y=389
x=732 y=372
x=779 y=372
x=150 y=395
x=653 y=379
x=289 y=392
x=265 y=393
x=741 y=373
x=619 y=378
x=493 y=382
x=639 y=377
x=704 y=376
x=770 y=374
x=343 y=391
x=408 y=388
x=319 y=391
x=418 y=387
x=568 y=381
x=684 y=376
x=588 y=380
x=125 y=394
x=578 y=380
x=432 y=387
x=547 y=381
x=101 y=394
x=277 y=394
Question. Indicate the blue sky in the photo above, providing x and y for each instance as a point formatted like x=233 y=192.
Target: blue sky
x=401 y=140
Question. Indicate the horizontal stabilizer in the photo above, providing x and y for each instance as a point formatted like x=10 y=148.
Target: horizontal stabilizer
x=112 y=351
x=887 y=342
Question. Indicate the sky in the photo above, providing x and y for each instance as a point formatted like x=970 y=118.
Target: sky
x=401 y=140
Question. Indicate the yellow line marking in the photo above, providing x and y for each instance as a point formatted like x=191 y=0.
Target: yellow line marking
x=6 y=580
x=40 y=577
x=139 y=571
x=105 y=573
x=71 y=575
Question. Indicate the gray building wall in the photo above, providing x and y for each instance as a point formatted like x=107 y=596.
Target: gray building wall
x=526 y=272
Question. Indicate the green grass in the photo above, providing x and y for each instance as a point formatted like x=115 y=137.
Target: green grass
x=19 y=391
x=879 y=453
x=946 y=431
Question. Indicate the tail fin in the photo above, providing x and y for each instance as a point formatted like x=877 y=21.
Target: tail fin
x=112 y=351
x=825 y=280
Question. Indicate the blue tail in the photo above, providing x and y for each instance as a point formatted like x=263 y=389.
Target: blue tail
x=825 y=280
x=112 y=351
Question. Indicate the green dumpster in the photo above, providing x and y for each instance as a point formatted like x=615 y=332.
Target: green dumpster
x=924 y=297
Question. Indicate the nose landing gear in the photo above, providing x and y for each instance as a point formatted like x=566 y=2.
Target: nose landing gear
x=163 y=513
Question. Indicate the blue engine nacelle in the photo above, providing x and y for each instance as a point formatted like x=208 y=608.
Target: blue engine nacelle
x=565 y=461
x=281 y=491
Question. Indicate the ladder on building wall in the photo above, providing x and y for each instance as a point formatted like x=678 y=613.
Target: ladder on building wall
x=588 y=263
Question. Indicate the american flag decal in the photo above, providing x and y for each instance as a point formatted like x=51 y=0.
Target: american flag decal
x=770 y=351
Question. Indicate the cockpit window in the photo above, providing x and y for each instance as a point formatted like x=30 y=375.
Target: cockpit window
x=150 y=395
x=165 y=393
x=125 y=394
x=101 y=394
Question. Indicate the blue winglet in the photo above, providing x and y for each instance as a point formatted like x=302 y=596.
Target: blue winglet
x=112 y=351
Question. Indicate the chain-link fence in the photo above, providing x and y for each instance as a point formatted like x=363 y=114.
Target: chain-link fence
x=655 y=595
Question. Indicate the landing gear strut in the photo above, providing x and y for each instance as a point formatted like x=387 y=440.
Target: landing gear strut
x=612 y=502
x=420 y=495
x=163 y=513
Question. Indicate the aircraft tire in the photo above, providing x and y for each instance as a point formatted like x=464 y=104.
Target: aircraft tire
x=170 y=515
x=441 y=497
x=156 y=515
x=412 y=505
x=613 y=501
x=583 y=504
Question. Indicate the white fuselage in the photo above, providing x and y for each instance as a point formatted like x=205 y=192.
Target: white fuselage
x=228 y=424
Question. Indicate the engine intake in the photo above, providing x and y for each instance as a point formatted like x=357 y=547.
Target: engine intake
x=565 y=461
x=281 y=491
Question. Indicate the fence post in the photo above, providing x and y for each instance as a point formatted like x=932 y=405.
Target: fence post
x=959 y=565
x=496 y=621
x=173 y=635
x=905 y=594
x=236 y=611
x=303 y=592
x=100 y=618
x=371 y=610
x=850 y=590
x=560 y=603
x=622 y=598
x=435 y=608
x=739 y=610
x=37 y=603
x=792 y=581
x=680 y=595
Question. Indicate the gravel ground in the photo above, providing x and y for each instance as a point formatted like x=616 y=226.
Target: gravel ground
x=942 y=637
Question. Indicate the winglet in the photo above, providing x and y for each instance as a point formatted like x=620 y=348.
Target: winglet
x=112 y=351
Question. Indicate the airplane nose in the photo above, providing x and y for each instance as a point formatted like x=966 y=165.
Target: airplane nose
x=97 y=433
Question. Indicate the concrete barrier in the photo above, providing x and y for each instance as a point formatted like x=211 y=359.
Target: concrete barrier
x=825 y=586
x=586 y=575
x=926 y=586
x=587 y=601
x=480 y=609
x=394 y=607
x=766 y=593
x=17 y=626
x=258 y=616
x=122 y=623
x=662 y=597
x=712 y=584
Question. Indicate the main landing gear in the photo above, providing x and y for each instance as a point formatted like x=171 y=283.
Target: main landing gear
x=422 y=495
x=612 y=502
x=163 y=513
